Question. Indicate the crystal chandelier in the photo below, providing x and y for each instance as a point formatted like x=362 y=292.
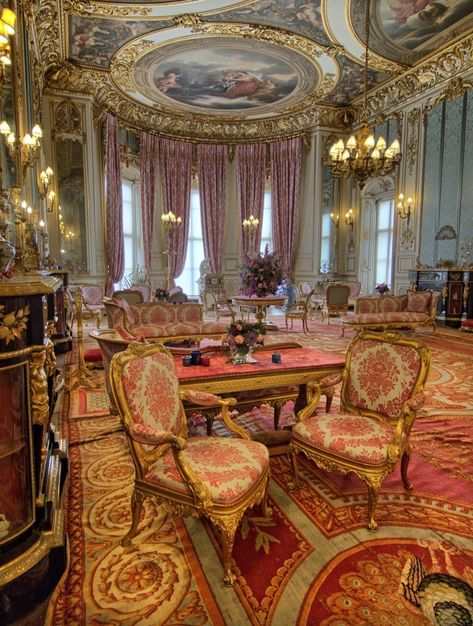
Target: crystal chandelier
x=362 y=158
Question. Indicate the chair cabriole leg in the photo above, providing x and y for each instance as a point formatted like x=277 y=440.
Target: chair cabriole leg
x=137 y=499
x=406 y=457
x=372 y=501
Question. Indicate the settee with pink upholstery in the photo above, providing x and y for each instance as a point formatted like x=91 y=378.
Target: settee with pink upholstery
x=406 y=311
x=163 y=321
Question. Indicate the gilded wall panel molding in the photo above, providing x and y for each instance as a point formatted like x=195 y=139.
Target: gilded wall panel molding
x=412 y=139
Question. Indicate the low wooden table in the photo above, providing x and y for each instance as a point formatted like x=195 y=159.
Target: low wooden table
x=298 y=367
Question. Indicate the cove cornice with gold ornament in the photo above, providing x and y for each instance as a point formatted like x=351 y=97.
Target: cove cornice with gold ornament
x=306 y=116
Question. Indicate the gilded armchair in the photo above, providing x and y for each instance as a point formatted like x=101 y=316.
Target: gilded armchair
x=382 y=385
x=215 y=477
x=92 y=299
x=300 y=311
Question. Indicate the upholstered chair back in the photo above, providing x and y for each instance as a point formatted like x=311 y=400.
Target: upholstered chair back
x=92 y=294
x=148 y=380
x=380 y=376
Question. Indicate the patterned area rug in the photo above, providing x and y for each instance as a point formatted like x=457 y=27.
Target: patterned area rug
x=313 y=563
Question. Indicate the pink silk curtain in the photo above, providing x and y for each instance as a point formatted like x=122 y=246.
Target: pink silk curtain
x=113 y=205
x=286 y=160
x=212 y=161
x=148 y=191
x=251 y=176
x=175 y=160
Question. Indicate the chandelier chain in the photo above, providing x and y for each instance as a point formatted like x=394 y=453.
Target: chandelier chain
x=367 y=44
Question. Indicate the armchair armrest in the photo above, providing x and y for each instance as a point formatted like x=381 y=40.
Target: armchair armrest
x=202 y=398
x=146 y=434
x=404 y=424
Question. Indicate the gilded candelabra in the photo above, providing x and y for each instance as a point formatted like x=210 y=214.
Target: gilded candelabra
x=250 y=225
x=170 y=223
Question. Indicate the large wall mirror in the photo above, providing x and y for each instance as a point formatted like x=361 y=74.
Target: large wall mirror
x=8 y=115
x=329 y=220
x=69 y=158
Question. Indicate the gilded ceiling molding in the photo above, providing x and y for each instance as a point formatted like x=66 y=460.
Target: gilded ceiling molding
x=84 y=7
x=423 y=77
x=412 y=138
x=259 y=33
x=67 y=77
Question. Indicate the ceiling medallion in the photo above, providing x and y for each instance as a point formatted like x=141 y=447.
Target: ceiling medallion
x=360 y=158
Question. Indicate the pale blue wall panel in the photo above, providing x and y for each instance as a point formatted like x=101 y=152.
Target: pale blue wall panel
x=431 y=194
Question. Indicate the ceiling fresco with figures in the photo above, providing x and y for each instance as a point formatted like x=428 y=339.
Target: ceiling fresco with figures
x=251 y=60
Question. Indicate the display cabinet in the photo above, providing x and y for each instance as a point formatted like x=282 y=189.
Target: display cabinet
x=455 y=287
x=33 y=457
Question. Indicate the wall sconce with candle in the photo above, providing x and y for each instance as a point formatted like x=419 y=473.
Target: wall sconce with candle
x=44 y=182
x=349 y=219
x=335 y=219
x=28 y=147
x=404 y=208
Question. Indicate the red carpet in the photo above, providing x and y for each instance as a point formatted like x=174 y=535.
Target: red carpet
x=313 y=563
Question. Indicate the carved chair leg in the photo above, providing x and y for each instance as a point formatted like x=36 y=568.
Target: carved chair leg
x=265 y=509
x=227 y=532
x=329 y=393
x=276 y=415
x=137 y=499
x=406 y=457
x=372 y=501
x=293 y=483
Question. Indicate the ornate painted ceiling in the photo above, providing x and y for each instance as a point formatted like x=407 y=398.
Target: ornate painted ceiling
x=214 y=68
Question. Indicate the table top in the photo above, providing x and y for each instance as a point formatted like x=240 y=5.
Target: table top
x=298 y=366
x=263 y=300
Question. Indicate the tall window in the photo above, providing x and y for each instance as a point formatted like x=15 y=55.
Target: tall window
x=384 y=240
x=195 y=249
x=132 y=225
x=267 y=223
x=325 y=248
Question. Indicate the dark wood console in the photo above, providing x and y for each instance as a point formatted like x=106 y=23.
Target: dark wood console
x=456 y=289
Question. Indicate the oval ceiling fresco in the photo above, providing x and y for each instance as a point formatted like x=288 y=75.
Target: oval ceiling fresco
x=225 y=76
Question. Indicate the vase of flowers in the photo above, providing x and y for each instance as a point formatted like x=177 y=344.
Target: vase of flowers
x=382 y=289
x=160 y=295
x=261 y=274
x=242 y=338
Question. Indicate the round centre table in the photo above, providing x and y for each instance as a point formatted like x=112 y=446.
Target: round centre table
x=260 y=304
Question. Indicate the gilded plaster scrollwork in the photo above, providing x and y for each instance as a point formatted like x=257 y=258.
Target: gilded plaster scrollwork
x=259 y=33
x=423 y=77
x=83 y=7
x=412 y=138
x=455 y=88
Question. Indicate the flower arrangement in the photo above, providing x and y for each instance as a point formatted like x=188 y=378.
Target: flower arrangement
x=262 y=274
x=382 y=288
x=161 y=294
x=241 y=336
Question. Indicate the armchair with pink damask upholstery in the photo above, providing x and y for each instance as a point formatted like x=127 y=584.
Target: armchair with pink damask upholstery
x=382 y=389
x=92 y=299
x=214 y=477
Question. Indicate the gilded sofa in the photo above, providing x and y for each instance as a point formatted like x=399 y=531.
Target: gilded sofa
x=163 y=321
x=406 y=311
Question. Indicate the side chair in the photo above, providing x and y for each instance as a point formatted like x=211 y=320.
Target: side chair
x=300 y=311
x=382 y=390
x=92 y=299
x=214 y=477
x=336 y=300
